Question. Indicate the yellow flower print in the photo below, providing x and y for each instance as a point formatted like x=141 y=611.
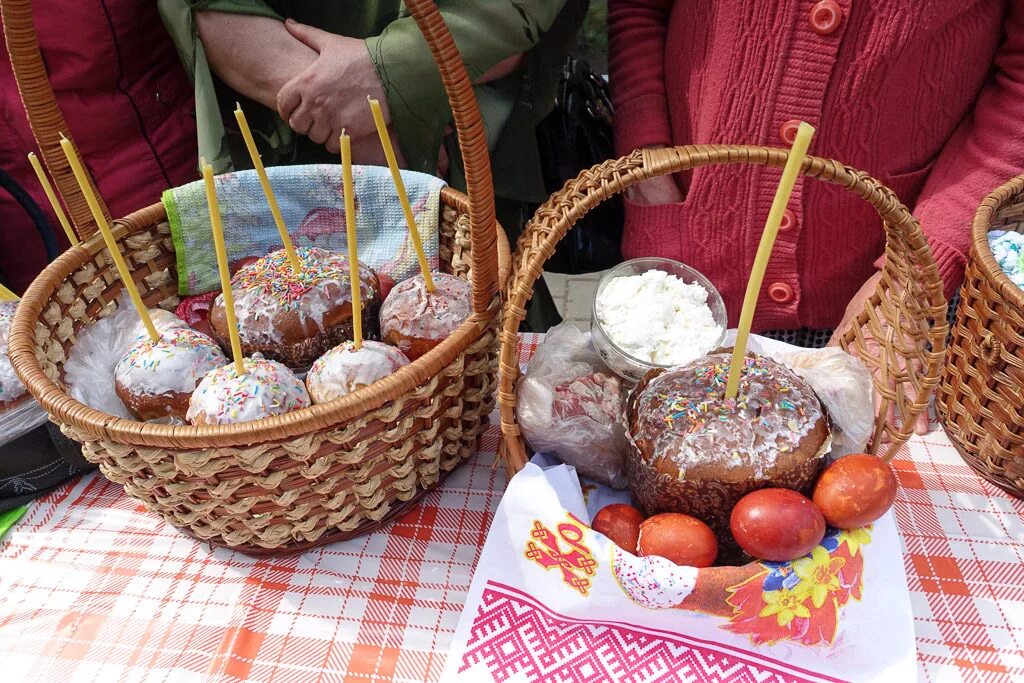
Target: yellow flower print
x=855 y=538
x=785 y=604
x=819 y=573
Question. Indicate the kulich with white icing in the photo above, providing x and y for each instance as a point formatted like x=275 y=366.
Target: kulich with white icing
x=156 y=379
x=266 y=389
x=416 y=320
x=692 y=451
x=345 y=369
x=11 y=388
x=296 y=317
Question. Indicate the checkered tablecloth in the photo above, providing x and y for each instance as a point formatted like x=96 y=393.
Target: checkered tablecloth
x=94 y=588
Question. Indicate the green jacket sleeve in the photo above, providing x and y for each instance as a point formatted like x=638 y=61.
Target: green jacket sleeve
x=485 y=32
x=179 y=19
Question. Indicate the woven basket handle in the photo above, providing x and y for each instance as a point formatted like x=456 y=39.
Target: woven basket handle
x=472 y=143
x=922 y=308
x=44 y=116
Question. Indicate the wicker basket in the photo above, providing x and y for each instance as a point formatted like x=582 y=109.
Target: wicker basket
x=981 y=399
x=308 y=478
x=907 y=314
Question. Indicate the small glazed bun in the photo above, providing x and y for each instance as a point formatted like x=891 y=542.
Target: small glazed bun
x=267 y=388
x=156 y=379
x=295 y=318
x=345 y=369
x=11 y=389
x=416 y=320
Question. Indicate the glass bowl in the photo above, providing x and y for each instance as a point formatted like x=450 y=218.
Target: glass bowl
x=629 y=367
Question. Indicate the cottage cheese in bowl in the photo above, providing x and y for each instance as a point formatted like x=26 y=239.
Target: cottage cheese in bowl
x=652 y=313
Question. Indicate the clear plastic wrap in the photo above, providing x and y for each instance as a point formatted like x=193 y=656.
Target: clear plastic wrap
x=20 y=419
x=570 y=405
x=22 y=414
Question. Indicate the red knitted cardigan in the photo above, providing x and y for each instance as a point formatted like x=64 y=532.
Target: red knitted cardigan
x=926 y=95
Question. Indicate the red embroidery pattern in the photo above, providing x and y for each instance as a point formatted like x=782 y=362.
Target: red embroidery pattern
x=514 y=637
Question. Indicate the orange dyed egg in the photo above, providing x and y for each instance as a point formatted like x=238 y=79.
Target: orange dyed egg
x=776 y=524
x=620 y=523
x=855 y=491
x=679 y=538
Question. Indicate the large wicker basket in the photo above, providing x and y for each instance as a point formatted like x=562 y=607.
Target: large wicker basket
x=308 y=478
x=900 y=335
x=981 y=399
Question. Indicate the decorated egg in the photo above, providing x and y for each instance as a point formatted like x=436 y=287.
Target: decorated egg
x=620 y=523
x=776 y=524
x=855 y=491
x=679 y=538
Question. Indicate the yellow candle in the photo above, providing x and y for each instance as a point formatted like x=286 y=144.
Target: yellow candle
x=108 y=237
x=403 y=197
x=261 y=172
x=7 y=295
x=350 y=231
x=764 y=252
x=52 y=196
x=222 y=266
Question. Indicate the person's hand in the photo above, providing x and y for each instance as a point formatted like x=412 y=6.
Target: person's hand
x=331 y=94
x=874 y=348
x=657 y=190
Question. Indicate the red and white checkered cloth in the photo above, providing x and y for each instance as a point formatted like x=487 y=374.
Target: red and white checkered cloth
x=94 y=588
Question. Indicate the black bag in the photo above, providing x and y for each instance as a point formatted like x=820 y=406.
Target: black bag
x=573 y=137
x=42 y=459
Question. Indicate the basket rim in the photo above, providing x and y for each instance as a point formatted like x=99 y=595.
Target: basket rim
x=319 y=417
x=994 y=202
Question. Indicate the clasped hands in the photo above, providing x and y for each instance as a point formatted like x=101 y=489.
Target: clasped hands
x=330 y=95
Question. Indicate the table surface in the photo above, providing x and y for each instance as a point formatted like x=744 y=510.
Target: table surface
x=95 y=588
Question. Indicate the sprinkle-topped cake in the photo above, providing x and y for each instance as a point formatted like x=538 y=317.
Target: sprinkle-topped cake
x=11 y=389
x=296 y=317
x=267 y=388
x=693 y=451
x=156 y=379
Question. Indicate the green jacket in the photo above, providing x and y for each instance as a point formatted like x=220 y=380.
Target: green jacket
x=485 y=32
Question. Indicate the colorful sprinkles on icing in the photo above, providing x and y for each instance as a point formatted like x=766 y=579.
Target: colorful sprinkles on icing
x=696 y=412
x=149 y=355
x=684 y=416
x=273 y=274
x=267 y=388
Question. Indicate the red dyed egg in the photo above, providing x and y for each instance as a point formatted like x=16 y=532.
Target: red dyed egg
x=777 y=524
x=855 y=491
x=620 y=523
x=679 y=538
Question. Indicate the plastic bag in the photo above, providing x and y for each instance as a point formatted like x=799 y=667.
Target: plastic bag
x=25 y=414
x=20 y=419
x=845 y=387
x=571 y=406
x=89 y=370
